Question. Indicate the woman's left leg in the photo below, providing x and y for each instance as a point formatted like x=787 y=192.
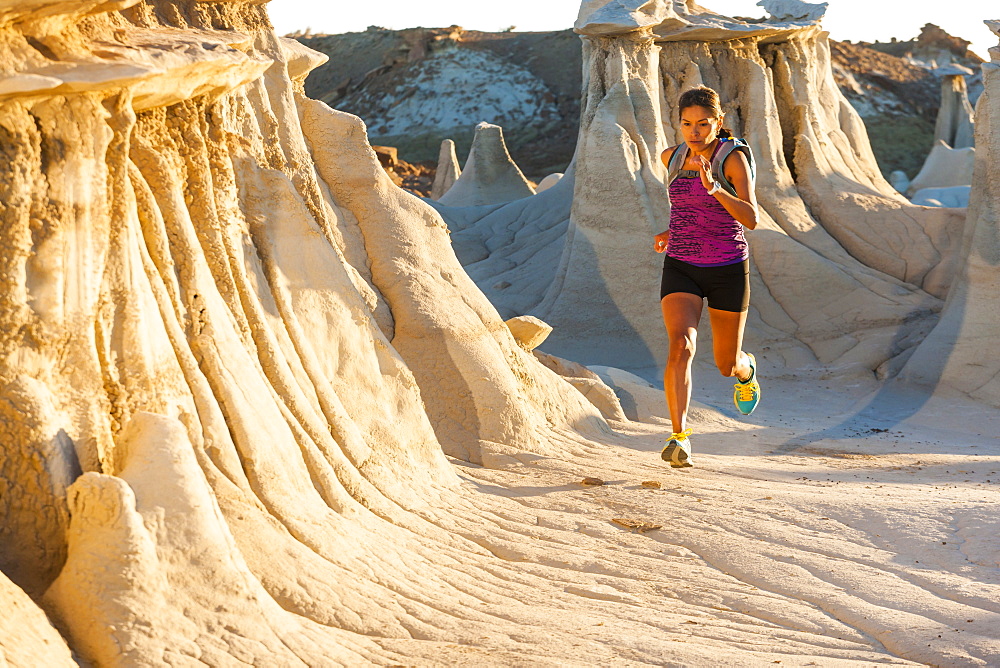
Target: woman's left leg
x=727 y=343
x=728 y=300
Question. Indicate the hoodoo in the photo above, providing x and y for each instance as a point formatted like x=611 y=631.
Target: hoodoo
x=957 y=354
x=847 y=271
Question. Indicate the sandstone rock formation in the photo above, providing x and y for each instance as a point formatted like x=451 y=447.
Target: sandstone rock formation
x=878 y=285
x=490 y=176
x=898 y=97
x=945 y=167
x=958 y=353
x=448 y=170
x=529 y=332
x=27 y=638
x=600 y=17
x=899 y=181
x=590 y=385
x=636 y=396
x=954 y=196
x=548 y=181
x=955 y=126
x=794 y=10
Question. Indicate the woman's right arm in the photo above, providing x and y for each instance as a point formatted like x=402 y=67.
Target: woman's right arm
x=660 y=241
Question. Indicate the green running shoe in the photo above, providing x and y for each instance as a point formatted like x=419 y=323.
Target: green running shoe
x=677 y=451
x=747 y=394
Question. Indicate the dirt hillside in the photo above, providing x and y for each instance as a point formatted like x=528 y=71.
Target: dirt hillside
x=894 y=88
x=416 y=87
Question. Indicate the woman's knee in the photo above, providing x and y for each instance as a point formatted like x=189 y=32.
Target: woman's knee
x=682 y=347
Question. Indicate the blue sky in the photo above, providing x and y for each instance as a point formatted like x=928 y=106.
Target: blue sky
x=854 y=20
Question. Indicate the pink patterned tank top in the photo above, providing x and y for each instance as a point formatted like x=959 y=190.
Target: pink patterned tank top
x=702 y=232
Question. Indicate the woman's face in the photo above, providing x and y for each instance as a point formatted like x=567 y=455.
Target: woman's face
x=699 y=127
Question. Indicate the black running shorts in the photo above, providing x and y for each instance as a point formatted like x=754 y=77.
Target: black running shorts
x=727 y=288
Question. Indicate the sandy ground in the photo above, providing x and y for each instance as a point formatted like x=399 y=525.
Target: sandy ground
x=840 y=523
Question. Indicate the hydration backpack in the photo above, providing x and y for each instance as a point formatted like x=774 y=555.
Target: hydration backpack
x=727 y=146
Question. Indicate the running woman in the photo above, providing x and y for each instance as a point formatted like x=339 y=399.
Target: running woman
x=706 y=258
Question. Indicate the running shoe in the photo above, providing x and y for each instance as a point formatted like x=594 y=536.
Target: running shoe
x=747 y=393
x=677 y=451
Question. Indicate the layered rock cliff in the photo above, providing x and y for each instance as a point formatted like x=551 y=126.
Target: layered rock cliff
x=234 y=354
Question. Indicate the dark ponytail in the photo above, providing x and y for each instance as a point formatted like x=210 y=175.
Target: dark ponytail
x=724 y=134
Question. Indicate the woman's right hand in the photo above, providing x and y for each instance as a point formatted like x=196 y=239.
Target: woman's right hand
x=660 y=241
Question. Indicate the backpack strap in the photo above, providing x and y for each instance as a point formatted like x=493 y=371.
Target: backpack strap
x=676 y=161
x=726 y=147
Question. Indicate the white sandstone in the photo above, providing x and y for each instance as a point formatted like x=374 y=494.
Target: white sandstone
x=448 y=170
x=528 y=331
x=27 y=637
x=955 y=126
x=222 y=325
x=250 y=398
x=549 y=181
x=899 y=181
x=614 y=17
x=945 y=167
x=702 y=24
x=951 y=69
x=955 y=196
x=794 y=10
x=959 y=353
x=639 y=399
x=589 y=384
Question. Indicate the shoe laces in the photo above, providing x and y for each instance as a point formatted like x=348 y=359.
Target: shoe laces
x=681 y=435
x=746 y=391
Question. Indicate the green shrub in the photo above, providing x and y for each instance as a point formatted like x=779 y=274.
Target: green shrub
x=900 y=142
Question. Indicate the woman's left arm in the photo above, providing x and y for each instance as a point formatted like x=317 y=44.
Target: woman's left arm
x=742 y=207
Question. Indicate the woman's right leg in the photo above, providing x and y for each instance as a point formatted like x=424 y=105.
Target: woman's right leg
x=681 y=313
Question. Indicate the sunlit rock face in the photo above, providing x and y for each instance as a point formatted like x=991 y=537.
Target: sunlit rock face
x=600 y=17
x=794 y=10
x=233 y=355
x=945 y=167
x=846 y=271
